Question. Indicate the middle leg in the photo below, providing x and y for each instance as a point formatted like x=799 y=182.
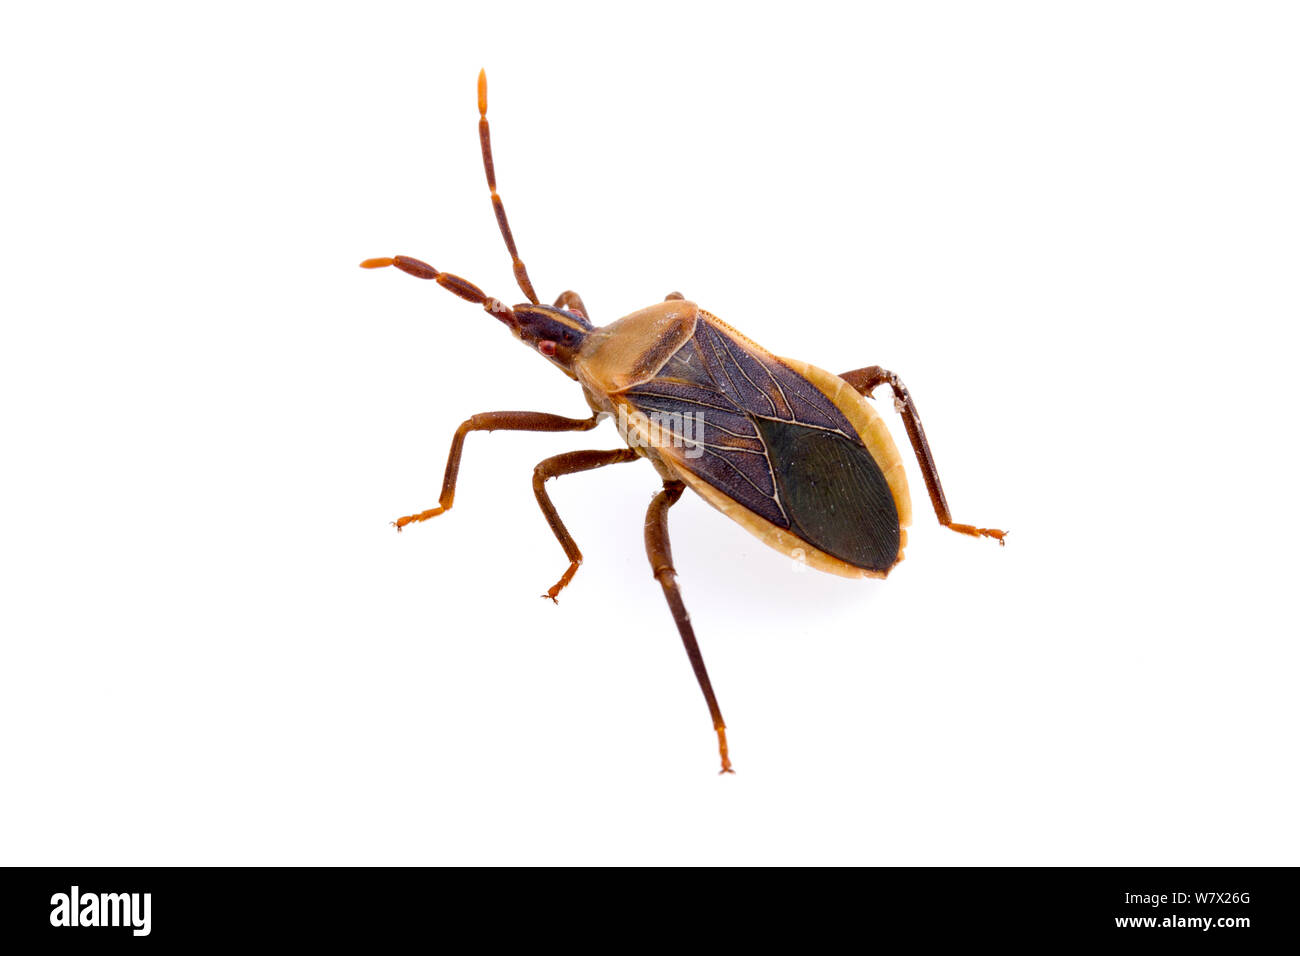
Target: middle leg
x=568 y=464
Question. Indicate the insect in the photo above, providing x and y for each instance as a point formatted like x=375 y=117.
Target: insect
x=794 y=454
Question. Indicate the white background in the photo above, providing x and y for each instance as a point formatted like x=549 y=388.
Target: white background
x=1072 y=229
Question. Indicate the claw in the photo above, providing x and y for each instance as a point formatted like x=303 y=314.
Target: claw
x=401 y=523
x=561 y=584
x=974 y=532
x=722 y=751
x=1001 y=536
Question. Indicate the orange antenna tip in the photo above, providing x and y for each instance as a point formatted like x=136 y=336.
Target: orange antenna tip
x=482 y=92
x=376 y=263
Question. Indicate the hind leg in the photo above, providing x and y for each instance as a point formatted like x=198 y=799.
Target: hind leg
x=864 y=380
x=660 y=554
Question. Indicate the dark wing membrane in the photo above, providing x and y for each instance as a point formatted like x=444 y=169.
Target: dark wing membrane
x=761 y=385
x=766 y=437
x=714 y=439
x=835 y=493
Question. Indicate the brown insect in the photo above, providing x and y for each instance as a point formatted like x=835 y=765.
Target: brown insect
x=794 y=454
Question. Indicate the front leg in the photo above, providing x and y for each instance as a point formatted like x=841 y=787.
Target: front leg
x=864 y=380
x=486 y=422
x=572 y=302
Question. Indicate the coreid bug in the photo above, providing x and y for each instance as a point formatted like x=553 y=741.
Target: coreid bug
x=794 y=454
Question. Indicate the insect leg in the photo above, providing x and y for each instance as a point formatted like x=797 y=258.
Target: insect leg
x=573 y=302
x=660 y=553
x=486 y=422
x=568 y=464
x=864 y=380
x=485 y=139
